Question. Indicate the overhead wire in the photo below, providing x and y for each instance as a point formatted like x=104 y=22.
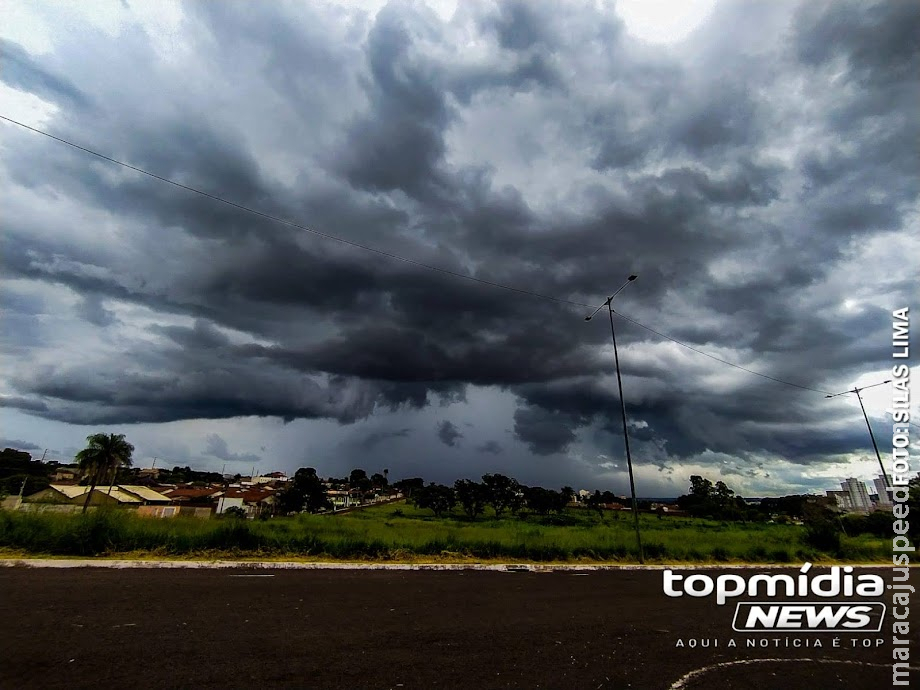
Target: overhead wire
x=718 y=359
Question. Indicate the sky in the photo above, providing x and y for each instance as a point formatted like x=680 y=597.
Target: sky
x=754 y=162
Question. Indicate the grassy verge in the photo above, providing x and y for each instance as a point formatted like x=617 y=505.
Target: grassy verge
x=405 y=534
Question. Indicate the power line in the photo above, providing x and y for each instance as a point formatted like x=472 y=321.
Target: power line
x=391 y=255
x=719 y=359
x=299 y=226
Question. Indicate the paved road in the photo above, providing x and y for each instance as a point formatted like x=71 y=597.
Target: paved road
x=155 y=628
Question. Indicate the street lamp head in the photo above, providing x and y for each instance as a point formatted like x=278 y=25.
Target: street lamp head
x=588 y=318
x=633 y=277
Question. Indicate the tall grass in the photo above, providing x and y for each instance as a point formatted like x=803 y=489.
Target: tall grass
x=401 y=532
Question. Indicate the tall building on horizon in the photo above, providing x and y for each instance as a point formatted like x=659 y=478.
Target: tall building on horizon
x=858 y=494
x=884 y=492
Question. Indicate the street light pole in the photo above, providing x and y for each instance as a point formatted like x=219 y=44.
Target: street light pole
x=616 y=358
x=868 y=426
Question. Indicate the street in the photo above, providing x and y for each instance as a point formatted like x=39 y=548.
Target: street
x=240 y=628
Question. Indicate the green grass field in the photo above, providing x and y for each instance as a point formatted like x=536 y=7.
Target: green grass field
x=402 y=532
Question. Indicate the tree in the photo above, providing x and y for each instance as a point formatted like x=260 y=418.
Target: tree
x=378 y=480
x=304 y=492
x=793 y=506
x=409 y=486
x=722 y=494
x=472 y=497
x=358 y=479
x=596 y=502
x=103 y=455
x=718 y=501
x=503 y=492
x=435 y=497
x=540 y=500
x=700 y=487
x=822 y=527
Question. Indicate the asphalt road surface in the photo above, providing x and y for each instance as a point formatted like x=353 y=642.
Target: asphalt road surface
x=167 y=628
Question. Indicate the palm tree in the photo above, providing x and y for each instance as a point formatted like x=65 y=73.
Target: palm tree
x=104 y=454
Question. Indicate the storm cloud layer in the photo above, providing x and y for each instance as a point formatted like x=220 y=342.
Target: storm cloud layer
x=760 y=177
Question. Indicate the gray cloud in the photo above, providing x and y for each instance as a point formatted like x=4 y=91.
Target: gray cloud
x=217 y=446
x=492 y=447
x=375 y=438
x=17 y=444
x=449 y=434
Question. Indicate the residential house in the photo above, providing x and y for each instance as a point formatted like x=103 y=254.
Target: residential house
x=122 y=495
x=66 y=473
x=340 y=498
x=255 y=501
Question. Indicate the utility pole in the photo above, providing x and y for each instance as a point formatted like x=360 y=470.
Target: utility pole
x=868 y=426
x=616 y=357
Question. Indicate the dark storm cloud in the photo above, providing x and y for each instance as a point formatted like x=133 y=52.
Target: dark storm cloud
x=491 y=447
x=217 y=446
x=375 y=438
x=449 y=433
x=17 y=444
x=29 y=404
x=745 y=177
x=878 y=40
x=92 y=311
x=22 y=72
x=546 y=431
x=399 y=144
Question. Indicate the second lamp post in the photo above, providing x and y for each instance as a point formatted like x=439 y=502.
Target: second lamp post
x=616 y=358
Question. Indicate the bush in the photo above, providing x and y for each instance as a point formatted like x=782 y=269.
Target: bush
x=822 y=529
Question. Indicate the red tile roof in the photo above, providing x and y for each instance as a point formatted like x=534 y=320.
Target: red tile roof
x=191 y=493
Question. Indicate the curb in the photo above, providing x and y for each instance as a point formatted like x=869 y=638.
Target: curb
x=120 y=564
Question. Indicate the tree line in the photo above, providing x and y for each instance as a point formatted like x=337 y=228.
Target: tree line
x=501 y=493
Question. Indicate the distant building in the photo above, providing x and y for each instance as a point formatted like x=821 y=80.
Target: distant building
x=854 y=497
x=269 y=478
x=884 y=492
x=340 y=498
x=66 y=473
x=254 y=501
x=841 y=499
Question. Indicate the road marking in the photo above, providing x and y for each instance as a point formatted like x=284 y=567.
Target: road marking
x=251 y=575
x=703 y=670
